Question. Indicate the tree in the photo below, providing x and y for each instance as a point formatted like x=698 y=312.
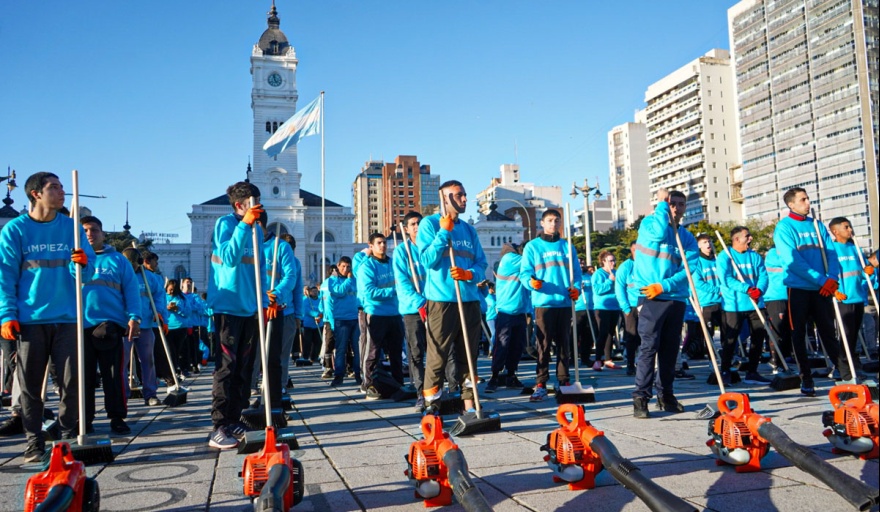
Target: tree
x=120 y=240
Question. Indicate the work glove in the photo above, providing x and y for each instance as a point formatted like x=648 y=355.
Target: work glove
x=652 y=290
x=253 y=214
x=840 y=296
x=536 y=283
x=189 y=331
x=869 y=270
x=447 y=223
x=828 y=288
x=318 y=319
x=271 y=313
x=573 y=293
x=79 y=257
x=754 y=293
x=164 y=328
x=460 y=274
x=271 y=298
x=10 y=330
x=423 y=312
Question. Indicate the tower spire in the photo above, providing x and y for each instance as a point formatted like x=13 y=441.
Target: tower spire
x=125 y=226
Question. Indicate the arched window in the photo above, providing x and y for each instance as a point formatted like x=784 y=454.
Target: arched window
x=492 y=242
x=328 y=237
x=274 y=126
x=179 y=272
x=268 y=127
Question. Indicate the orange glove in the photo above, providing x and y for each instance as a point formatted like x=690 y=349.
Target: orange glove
x=652 y=290
x=10 y=330
x=754 y=293
x=271 y=313
x=869 y=270
x=318 y=319
x=271 y=298
x=79 y=257
x=447 y=223
x=460 y=274
x=189 y=331
x=536 y=283
x=164 y=328
x=253 y=214
x=423 y=313
x=573 y=293
x=840 y=296
x=828 y=288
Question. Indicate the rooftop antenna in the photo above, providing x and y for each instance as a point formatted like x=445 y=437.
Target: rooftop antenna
x=125 y=226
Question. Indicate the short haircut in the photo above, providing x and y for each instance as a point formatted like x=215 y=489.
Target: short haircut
x=287 y=237
x=150 y=255
x=635 y=243
x=604 y=254
x=548 y=213
x=376 y=235
x=704 y=236
x=241 y=192
x=737 y=230
x=836 y=221
x=344 y=259
x=331 y=269
x=450 y=183
x=36 y=182
x=133 y=255
x=411 y=215
x=91 y=219
x=186 y=279
x=791 y=193
x=677 y=193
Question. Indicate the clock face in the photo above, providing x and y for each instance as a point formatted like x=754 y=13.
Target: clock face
x=275 y=80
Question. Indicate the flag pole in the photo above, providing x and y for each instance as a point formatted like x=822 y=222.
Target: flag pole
x=323 y=200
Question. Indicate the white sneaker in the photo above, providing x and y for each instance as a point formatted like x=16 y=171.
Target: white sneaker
x=221 y=440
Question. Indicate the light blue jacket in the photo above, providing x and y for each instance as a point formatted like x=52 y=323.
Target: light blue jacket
x=546 y=258
x=603 y=291
x=733 y=291
x=852 y=274
x=625 y=290
x=585 y=301
x=113 y=294
x=157 y=290
x=659 y=260
x=287 y=274
x=798 y=247
x=776 y=289
x=511 y=297
x=434 y=245
x=177 y=319
x=343 y=297
x=706 y=281
x=409 y=300
x=375 y=278
x=232 y=288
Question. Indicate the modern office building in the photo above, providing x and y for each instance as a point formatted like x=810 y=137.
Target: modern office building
x=628 y=180
x=807 y=86
x=691 y=135
x=366 y=201
x=513 y=196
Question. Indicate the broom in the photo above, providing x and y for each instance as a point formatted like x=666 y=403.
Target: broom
x=478 y=421
x=574 y=393
x=176 y=395
x=135 y=391
x=87 y=449
x=779 y=382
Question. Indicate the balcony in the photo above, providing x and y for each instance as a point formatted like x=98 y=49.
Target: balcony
x=675 y=137
x=692 y=117
x=676 y=151
x=735 y=173
x=683 y=163
x=675 y=96
x=673 y=110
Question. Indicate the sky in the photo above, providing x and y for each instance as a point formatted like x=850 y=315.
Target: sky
x=150 y=100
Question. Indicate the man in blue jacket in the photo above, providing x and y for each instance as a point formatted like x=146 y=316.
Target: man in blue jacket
x=660 y=275
x=776 y=301
x=294 y=313
x=232 y=296
x=412 y=304
x=627 y=295
x=512 y=302
x=343 y=303
x=38 y=305
x=112 y=310
x=436 y=234
x=145 y=345
x=810 y=286
x=544 y=271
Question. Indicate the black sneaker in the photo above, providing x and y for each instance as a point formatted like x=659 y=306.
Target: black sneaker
x=12 y=426
x=640 y=408
x=725 y=379
x=337 y=381
x=327 y=375
x=756 y=378
x=36 y=450
x=630 y=370
x=492 y=385
x=808 y=390
x=514 y=383
x=420 y=405
x=237 y=430
x=195 y=370
x=683 y=375
x=373 y=394
x=119 y=426
x=669 y=404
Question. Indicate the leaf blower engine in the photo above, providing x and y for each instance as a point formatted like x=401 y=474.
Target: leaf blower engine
x=63 y=486
x=568 y=450
x=426 y=470
x=852 y=427
x=734 y=439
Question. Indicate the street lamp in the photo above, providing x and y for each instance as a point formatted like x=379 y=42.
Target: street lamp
x=525 y=213
x=585 y=191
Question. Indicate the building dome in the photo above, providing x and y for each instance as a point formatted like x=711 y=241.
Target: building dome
x=273 y=41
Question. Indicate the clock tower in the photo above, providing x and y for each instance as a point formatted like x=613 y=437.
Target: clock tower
x=273 y=100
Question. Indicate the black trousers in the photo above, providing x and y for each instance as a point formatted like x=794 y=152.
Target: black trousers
x=417 y=345
x=803 y=306
x=660 y=328
x=311 y=343
x=606 y=319
x=510 y=338
x=385 y=336
x=233 y=364
x=852 y=315
x=554 y=328
x=104 y=352
x=631 y=336
x=777 y=317
x=733 y=321
x=276 y=338
x=586 y=326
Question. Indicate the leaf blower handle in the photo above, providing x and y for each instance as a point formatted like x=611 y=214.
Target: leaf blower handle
x=574 y=325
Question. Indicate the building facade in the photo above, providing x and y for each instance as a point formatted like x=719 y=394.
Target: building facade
x=692 y=136
x=807 y=87
x=407 y=186
x=628 y=174
x=366 y=201
x=511 y=195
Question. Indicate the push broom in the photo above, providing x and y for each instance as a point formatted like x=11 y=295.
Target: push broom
x=134 y=391
x=176 y=395
x=780 y=382
x=574 y=393
x=268 y=436
x=87 y=449
x=478 y=421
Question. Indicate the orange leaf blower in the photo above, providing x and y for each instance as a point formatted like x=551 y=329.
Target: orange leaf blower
x=853 y=424
x=64 y=486
x=272 y=477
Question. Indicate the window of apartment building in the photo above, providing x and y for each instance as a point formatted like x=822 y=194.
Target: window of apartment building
x=716 y=195
x=710 y=108
x=711 y=121
x=713 y=151
x=712 y=137
x=716 y=209
x=715 y=165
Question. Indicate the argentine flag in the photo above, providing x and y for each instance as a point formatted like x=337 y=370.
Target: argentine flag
x=302 y=124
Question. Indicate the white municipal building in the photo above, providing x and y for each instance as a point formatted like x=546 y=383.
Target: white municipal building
x=273 y=100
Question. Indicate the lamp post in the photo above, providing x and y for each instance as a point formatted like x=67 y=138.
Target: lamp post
x=585 y=191
x=525 y=213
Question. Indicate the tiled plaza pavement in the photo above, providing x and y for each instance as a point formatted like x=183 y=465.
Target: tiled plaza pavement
x=353 y=453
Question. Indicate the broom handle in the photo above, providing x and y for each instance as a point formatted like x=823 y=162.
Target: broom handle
x=131 y=365
x=464 y=332
x=258 y=285
x=767 y=327
x=696 y=302
x=80 y=335
x=867 y=277
x=409 y=259
x=574 y=325
x=159 y=321
x=45 y=385
x=849 y=358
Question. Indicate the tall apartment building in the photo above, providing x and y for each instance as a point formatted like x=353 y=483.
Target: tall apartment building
x=628 y=173
x=366 y=201
x=807 y=84
x=691 y=134
x=408 y=186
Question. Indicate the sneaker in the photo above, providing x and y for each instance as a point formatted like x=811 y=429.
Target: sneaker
x=119 y=426
x=337 y=381
x=539 y=394
x=611 y=366
x=35 y=451
x=683 y=375
x=237 y=430
x=221 y=440
x=640 y=408
x=756 y=378
x=12 y=426
x=808 y=390
x=725 y=379
x=153 y=402
x=669 y=404
x=513 y=382
x=420 y=405
x=492 y=385
x=358 y=380
x=327 y=375
x=630 y=370
x=685 y=365
x=597 y=366
x=350 y=374
x=195 y=370
x=373 y=394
